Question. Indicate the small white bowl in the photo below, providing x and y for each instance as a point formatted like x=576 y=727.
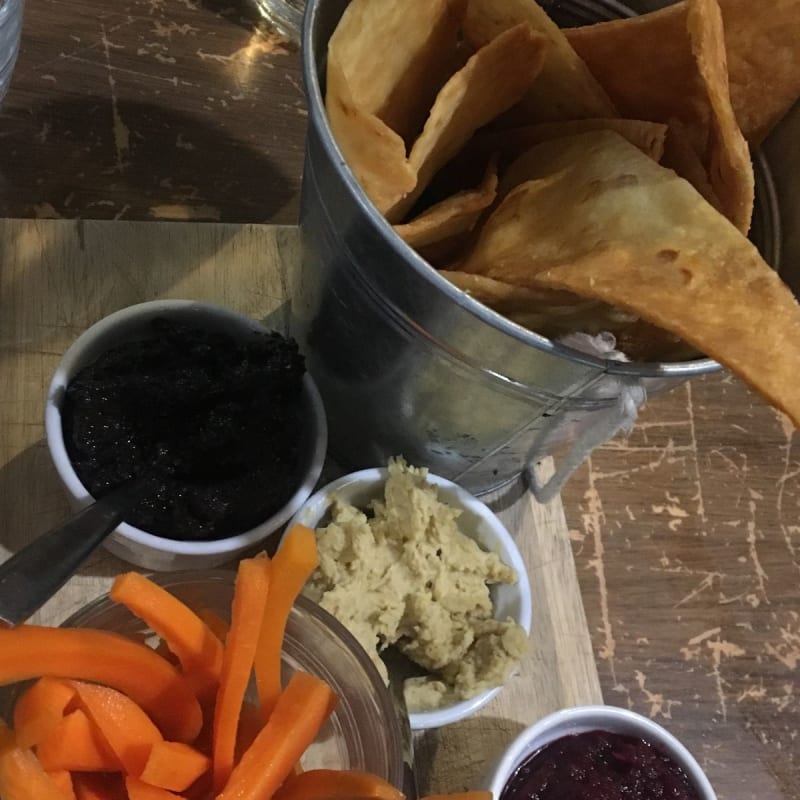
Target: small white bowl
x=590 y=718
x=478 y=522
x=133 y=544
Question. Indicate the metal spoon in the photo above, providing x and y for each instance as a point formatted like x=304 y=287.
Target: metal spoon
x=34 y=574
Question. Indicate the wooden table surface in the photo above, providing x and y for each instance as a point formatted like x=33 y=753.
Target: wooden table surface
x=686 y=534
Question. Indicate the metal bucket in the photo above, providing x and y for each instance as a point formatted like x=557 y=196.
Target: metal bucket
x=408 y=364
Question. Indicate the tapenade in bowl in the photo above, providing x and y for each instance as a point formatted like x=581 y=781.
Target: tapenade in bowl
x=212 y=412
x=598 y=753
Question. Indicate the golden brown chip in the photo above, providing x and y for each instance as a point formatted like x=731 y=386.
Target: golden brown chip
x=646 y=65
x=528 y=166
x=649 y=137
x=680 y=156
x=554 y=314
x=492 y=81
x=565 y=88
x=505 y=297
x=730 y=169
x=374 y=152
x=397 y=55
x=452 y=216
x=606 y=222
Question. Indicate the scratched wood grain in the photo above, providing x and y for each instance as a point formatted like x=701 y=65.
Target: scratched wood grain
x=685 y=537
x=58 y=277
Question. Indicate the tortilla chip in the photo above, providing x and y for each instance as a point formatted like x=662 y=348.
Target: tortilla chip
x=506 y=297
x=510 y=144
x=649 y=137
x=453 y=216
x=606 y=222
x=730 y=169
x=397 y=55
x=374 y=152
x=554 y=314
x=528 y=166
x=565 y=88
x=763 y=64
x=492 y=81
x=679 y=155
x=448 y=253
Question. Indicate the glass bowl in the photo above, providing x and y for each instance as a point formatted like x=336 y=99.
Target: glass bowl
x=363 y=732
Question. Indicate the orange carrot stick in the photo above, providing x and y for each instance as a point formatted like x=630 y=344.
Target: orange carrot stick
x=30 y=651
x=174 y=766
x=332 y=784
x=98 y=786
x=300 y=712
x=63 y=779
x=250 y=724
x=292 y=565
x=139 y=790
x=128 y=731
x=247 y=610
x=219 y=627
x=76 y=744
x=22 y=777
x=186 y=635
x=39 y=710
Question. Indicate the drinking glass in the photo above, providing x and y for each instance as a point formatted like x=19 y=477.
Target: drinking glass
x=286 y=15
x=10 y=29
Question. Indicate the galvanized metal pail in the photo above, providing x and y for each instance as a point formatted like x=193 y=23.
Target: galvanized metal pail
x=408 y=364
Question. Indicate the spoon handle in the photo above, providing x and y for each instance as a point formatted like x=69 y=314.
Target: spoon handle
x=34 y=574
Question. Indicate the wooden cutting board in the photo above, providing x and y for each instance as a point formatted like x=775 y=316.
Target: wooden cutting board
x=57 y=277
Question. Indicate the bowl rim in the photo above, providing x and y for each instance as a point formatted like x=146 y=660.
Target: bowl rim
x=591 y=717
x=54 y=433
x=320 y=501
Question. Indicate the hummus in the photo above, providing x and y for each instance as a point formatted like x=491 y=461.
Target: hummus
x=403 y=574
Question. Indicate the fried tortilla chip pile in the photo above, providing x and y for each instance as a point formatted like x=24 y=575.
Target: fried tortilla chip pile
x=582 y=180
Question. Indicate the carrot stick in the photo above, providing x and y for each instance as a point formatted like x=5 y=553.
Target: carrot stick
x=76 y=744
x=247 y=610
x=333 y=784
x=300 y=712
x=174 y=766
x=219 y=627
x=128 y=731
x=63 y=779
x=39 y=710
x=250 y=724
x=139 y=790
x=98 y=786
x=186 y=635
x=30 y=651
x=292 y=565
x=22 y=777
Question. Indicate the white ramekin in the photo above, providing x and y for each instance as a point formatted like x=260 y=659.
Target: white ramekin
x=133 y=544
x=589 y=718
x=477 y=521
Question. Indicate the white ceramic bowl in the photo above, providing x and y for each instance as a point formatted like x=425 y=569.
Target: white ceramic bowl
x=477 y=521
x=133 y=544
x=589 y=718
